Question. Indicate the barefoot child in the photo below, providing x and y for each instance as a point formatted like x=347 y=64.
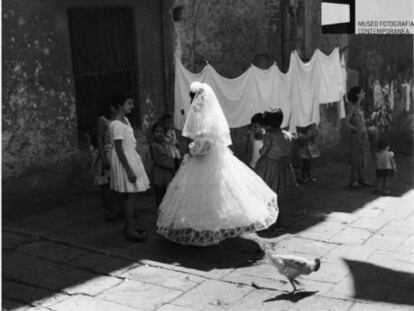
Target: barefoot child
x=128 y=176
x=385 y=166
x=164 y=164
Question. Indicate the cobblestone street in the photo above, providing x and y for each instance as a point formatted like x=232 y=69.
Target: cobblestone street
x=69 y=258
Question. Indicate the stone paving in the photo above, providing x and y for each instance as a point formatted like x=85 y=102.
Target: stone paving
x=69 y=258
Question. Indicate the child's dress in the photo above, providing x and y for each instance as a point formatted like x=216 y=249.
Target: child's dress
x=164 y=166
x=213 y=196
x=252 y=149
x=102 y=174
x=164 y=169
x=274 y=167
x=385 y=164
x=257 y=144
x=119 y=177
x=171 y=140
x=306 y=144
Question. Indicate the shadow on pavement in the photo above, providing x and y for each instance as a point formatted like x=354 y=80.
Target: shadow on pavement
x=375 y=283
x=64 y=254
x=293 y=297
x=36 y=269
x=311 y=204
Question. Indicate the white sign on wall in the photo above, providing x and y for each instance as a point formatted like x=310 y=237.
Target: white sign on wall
x=368 y=16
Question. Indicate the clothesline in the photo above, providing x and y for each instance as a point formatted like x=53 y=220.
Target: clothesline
x=299 y=92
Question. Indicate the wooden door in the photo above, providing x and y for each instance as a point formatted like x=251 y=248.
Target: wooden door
x=103 y=58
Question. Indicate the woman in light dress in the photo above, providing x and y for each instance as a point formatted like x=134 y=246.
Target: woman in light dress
x=128 y=176
x=213 y=196
x=359 y=149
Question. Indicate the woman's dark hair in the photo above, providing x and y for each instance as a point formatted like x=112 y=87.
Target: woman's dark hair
x=353 y=94
x=118 y=98
x=273 y=118
x=257 y=118
x=382 y=143
x=166 y=116
x=158 y=125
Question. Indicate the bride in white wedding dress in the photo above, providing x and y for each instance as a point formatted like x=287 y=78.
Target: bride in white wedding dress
x=214 y=196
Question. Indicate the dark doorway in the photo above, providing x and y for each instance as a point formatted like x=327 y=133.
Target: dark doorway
x=103 y=58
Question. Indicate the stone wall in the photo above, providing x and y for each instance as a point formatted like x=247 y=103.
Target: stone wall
x=39 y=120
x=44 y=161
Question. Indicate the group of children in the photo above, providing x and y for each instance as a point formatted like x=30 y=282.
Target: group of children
x=117 y=167
x=268 y=149
x=120 y=173
x=269 y=123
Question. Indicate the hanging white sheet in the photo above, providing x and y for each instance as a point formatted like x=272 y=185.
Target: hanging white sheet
x=298 y=93
x=254 y=91
x=341 y=103
x=306 y=81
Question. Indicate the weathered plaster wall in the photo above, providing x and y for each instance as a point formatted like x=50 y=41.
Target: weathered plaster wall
x=38 y=108
x=228 y=34
x=41 y=151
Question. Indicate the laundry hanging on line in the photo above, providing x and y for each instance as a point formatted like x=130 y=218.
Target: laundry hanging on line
x=298 y=92
x=341 y=103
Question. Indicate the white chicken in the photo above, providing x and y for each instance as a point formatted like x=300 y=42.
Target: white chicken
x=292 y=266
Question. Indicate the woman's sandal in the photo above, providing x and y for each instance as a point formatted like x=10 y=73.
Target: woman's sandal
x=366 y=184
x=141 y=232
x=134 y=238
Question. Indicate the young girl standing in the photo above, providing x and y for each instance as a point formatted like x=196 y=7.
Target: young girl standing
x=308 y=150
x=100 y=161
x=274 y=165
x=128 y=175
x=103 y=168
x=164 y=164
x=385 y=166
x=171 y=139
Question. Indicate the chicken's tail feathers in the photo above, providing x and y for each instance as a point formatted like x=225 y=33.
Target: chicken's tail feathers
x=268 y=250
x=265 y=247
x=317 y=264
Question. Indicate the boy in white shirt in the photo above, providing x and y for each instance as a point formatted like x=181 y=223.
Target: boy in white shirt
x=385 y=166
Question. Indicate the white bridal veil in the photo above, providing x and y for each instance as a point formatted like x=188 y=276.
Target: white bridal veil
x=205 y=116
